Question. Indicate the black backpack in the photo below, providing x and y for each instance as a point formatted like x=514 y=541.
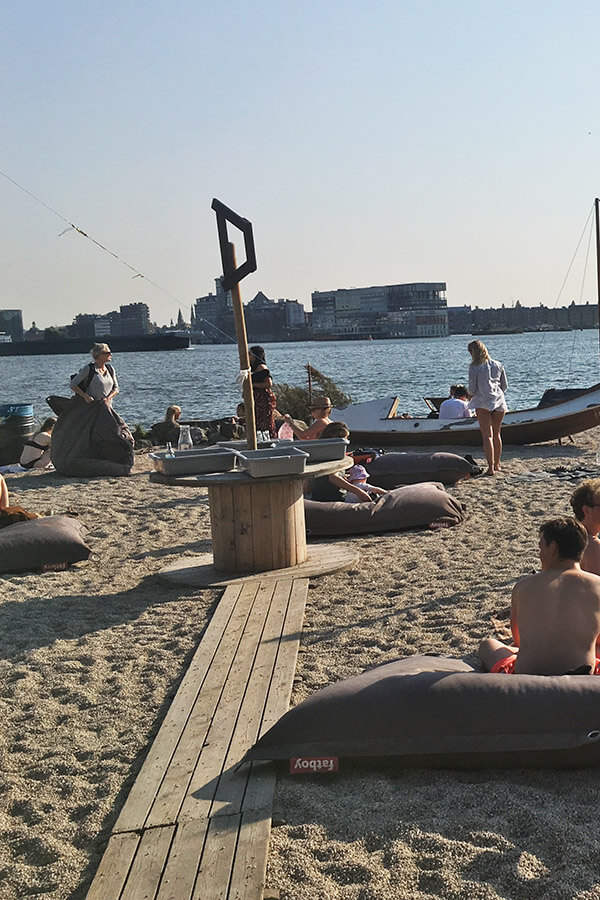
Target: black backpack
x=85 y=383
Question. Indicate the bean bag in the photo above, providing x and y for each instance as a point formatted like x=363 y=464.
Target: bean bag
x=436 y=712
x=91 y=439
x=393 y=469
x=413 y=506
x=51 y=541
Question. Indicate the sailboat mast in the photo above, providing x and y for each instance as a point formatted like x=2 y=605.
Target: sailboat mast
x=597 y=207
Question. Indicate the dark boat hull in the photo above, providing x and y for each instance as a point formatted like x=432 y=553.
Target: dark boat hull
x=132 y=344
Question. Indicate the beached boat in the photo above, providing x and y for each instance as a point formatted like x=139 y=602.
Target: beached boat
x=376 y=422
x=560 y=413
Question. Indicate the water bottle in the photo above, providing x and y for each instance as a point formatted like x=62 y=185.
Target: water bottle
x=185 y=438
x=170 y=454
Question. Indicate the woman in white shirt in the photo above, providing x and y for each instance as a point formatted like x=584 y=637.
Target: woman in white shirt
x=97 y=381
x=487 y=383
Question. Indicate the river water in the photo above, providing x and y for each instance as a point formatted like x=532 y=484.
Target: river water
x=202 y=380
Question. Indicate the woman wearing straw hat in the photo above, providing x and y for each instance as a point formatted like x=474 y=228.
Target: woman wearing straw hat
x=319 y=410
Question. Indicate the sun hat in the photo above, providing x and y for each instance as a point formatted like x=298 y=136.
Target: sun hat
x=320 y=403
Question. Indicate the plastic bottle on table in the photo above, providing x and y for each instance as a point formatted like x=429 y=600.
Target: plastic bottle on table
x=185 y=438
x=170 y=452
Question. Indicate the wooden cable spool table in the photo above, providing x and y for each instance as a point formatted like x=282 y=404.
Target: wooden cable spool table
x=257 y=526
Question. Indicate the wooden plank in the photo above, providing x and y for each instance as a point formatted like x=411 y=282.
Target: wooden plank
x=176 y=782
x=114 y=867
x=250 y=865
x=210 y=764
x=222 y=525
x=244 y=525
x=217 y=859
x=300 y=529
x=183 y=862
x=198 y=571
x=280 y=530
x=145 y=874
x=261 y=780
x=232 y=784
x=280 y=690
x=139 y=802
x=262 y=532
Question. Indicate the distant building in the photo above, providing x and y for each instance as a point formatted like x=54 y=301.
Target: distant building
x=460 y=319
x=134 y=319
x=274 y=320
x=214 y=315
x=11 y=322
x=387 y=311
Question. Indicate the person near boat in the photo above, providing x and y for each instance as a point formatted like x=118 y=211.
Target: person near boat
x=265 y=402
x=332 y=488
x=457 y=404
x=97 y=381
x=36 y=451
x=320 y=410
x=487 y=383
x=585 y=501
x=555 y=613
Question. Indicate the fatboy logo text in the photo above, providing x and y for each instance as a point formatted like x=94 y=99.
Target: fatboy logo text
x=310 y=765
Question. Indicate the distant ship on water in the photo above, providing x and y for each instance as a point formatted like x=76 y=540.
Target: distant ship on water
x=123 y=344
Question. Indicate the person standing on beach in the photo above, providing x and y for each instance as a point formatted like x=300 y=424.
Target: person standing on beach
x=97 y=380
x=585 y=501
x=555 y=614
x=487 y=383
x=264 y=399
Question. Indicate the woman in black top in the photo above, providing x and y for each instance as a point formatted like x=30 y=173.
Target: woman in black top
x=264 y=398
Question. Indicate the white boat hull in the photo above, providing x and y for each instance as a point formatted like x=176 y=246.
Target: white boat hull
x=373 y=422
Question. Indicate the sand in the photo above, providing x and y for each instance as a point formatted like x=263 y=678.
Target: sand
x=91 y=657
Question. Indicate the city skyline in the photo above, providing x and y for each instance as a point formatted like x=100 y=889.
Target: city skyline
x=391 y=143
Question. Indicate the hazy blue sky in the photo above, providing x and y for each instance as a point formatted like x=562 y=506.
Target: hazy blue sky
x=369 y=143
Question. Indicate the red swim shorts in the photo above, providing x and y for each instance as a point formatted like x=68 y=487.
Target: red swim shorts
x=506 y=665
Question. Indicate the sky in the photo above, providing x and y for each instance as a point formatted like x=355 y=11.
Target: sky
x=368 y=143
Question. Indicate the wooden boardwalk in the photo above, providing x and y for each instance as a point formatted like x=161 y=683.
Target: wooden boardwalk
x=194 y=828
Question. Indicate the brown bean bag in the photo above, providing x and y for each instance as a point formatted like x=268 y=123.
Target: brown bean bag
x=412 y=506
x=437 y=712
x=393 y=469
x=41 y=543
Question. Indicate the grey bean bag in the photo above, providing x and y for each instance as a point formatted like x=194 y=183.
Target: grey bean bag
x=436 y=712
x=413 y=506
x=91 y=439
x=40 y=543
x=393 y=469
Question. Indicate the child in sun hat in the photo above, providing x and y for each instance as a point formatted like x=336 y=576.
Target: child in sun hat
x=358 y=476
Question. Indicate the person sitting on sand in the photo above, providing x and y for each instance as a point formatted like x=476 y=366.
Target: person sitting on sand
x=585 y=501
x=36 y=451
x=555 y=614
x=455 y=407
x=358 y=476
x=320 y=409
x=330 y=488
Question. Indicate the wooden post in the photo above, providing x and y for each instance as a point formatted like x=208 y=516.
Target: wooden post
x=242 y=340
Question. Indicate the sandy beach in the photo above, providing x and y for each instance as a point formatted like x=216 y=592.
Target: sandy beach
x=91 y=658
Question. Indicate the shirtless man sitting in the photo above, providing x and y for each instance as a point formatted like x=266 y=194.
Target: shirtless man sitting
x=555 y=614
x=585 y=501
